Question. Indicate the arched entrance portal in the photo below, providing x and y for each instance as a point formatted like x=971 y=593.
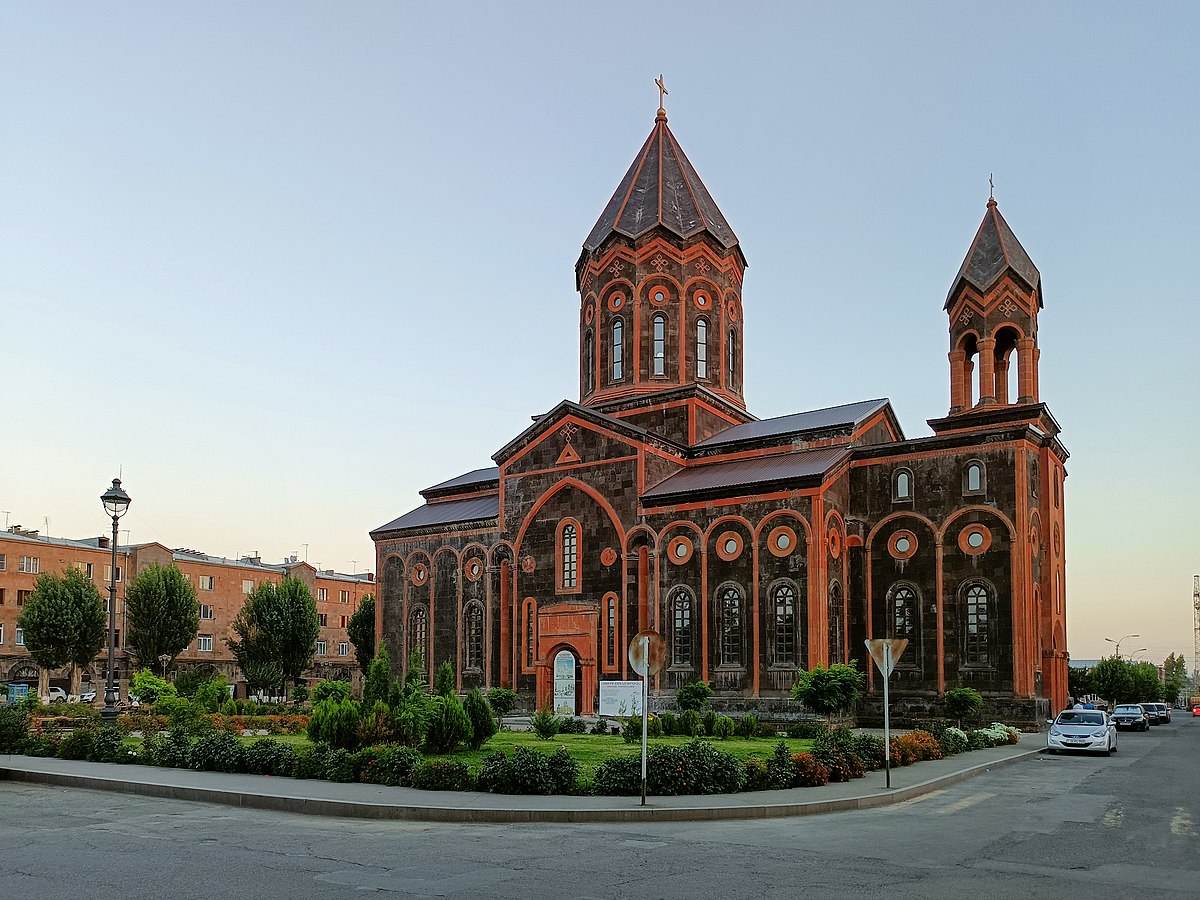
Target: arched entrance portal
x=568 y=684
x=571 y=629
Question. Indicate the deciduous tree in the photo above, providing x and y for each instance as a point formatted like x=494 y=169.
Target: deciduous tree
x=1110 y=679
x=65 y=622
x=829 y=690
x=276 y=631
x=162 y=615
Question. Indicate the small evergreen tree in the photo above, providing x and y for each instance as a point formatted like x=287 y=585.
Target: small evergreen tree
x=448 y=724
x=483 y=726
x=361 y=632
x=443 y=683
x=379 y=679
x=829 y=690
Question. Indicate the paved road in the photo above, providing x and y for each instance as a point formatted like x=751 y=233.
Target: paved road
x=1052 y=826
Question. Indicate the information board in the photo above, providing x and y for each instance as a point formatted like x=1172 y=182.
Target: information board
x=620 y=698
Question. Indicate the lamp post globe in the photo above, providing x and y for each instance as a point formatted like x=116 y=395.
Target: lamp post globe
x=116 y=503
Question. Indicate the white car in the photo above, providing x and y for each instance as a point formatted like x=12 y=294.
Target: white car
x=87 y=697
x=57 y=695
x=1089 y=730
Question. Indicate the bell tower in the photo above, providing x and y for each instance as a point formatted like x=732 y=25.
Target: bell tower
x=660 y=284
x=993 y=307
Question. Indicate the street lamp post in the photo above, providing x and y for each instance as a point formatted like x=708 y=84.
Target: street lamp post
x=116 y=502
x=1117 y=653
x=164 y=660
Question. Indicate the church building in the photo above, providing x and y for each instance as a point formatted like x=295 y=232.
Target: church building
x=755 y=547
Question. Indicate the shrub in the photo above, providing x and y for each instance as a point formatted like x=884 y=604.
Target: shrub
x=335 y=722
x=448 y=724
x=564 y=772
x=766 y=730
x=218 y=753
x=810 y=772
x=903 y=754
x=545 y=724
x=807 y=729
x=962 y=703
x=331 y=690
x=601 y=726
x=388 y=765
x=169 y=749
x=525 y=772
x=693 y=695
x=149 y=688
x=670 y=724
x=840 y=765
x=300 y=693
x=443 y=679
x=410 y=715
x=211 y=693
x=746 y=726
x=710 y=722
x=106 y=747
x=690 y=723
x=229 y=708
x=952 y=741
x=502 y=700
x=376 y=726
x=270 y=757
x=924 y=746
x=871 y=750
x=40 y=745
x=723 y=728
x=379 y=679
x=311 y=761
x=14 y=724
x=339 y=766
x=483 y=725
x=994 y=735
x=757 y=777
x=442 y=775
x=780 y=770
x=77 y=744
x=631 y=731
x=574 y=725
x=829 y=690
x=620 y=776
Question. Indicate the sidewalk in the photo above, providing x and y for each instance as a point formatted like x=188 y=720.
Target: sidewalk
x=368 y=801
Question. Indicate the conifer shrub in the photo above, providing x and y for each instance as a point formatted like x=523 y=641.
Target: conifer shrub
x=448 y=724
x=443 y=679
x=545 y=724
x=723 y=728
x=378 y=685
x=780 y=769
x=691 y=723
x=335 y=722
x=410 y=714
x=670 y=724
x=442 y=775
x=229 y=708
x=483 y=723
x=746 y=726
x=327 y=690
x=573 y=725
x=601 y=726
x=710 y=722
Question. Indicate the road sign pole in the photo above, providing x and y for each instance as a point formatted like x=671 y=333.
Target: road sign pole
x=645 y=710
x=887 y=729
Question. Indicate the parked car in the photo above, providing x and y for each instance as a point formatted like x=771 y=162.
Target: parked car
x=57 y=695
x=88 y=697
x=1131 y=716
x=1089 y=730
x=1195 y=711
x=1157 y=712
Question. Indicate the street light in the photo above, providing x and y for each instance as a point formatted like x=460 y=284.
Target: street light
x=1133 y=654
x=1117 y=654
x=116 y=502
x=164 y=660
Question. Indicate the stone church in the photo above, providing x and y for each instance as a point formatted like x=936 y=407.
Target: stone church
x=753 y=546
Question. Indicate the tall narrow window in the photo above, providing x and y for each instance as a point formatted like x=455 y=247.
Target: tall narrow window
x=902 y=485
x=473 y=640
x=978 y=630
x=570 y=556
x=731 y=627
x=836 y=642
x=529 y=635
x=418 y=630
x=618 y=350
x=660 y=345
x=904 y=614
x=611 y=637
x=974 y=478
x=589 y=362
x=784 y=597
x=681 y=628
x=701 y=349
x=731 y=363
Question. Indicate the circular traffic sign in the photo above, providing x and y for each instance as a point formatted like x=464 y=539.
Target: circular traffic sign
x=647 y=652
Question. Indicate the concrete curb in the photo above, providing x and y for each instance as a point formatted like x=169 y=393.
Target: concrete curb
x=470 y=814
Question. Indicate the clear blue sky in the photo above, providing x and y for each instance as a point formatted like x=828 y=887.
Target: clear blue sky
x=288 y=263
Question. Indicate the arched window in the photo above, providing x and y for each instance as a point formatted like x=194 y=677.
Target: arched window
x=902 y=488
x=611 y=631
x=618 y=350
x=660 y=345
x=973 y=478
x=731 y=627
x=978 y=631
x=473 y=638
x=731 y=362
x=702 y=348
x=904 y=619
x=783 y=596
x=570 y=557
x=589 y=362
x=1057 y=488
x=681 y=627
x=836 y=642
x=418 y=632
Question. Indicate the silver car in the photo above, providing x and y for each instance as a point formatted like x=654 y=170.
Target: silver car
x=1088 y=730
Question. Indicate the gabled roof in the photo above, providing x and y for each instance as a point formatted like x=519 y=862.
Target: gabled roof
x=448 y=512
x=587 y=414
x=661 y=189
x=994 y=251
x=477 y=478
x=726 y=478
x=833 y=417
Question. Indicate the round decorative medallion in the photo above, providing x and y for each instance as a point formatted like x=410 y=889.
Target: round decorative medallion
x=781 y=541
x=608 y=556
x=902 y=545
x=1057 y=540
x=528 y=564
x=729 y=546
x=659 y=295
x=589 y=314
x=1033 y=540
x=732 y=309
x=474 y=570
x=834 y=541
x=679 y=550
x=419 y=574
x=974 y=539
x=616 y=301
x=701 y=299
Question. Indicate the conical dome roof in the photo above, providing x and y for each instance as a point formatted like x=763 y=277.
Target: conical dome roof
x=661 y=189
x=994 y=251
